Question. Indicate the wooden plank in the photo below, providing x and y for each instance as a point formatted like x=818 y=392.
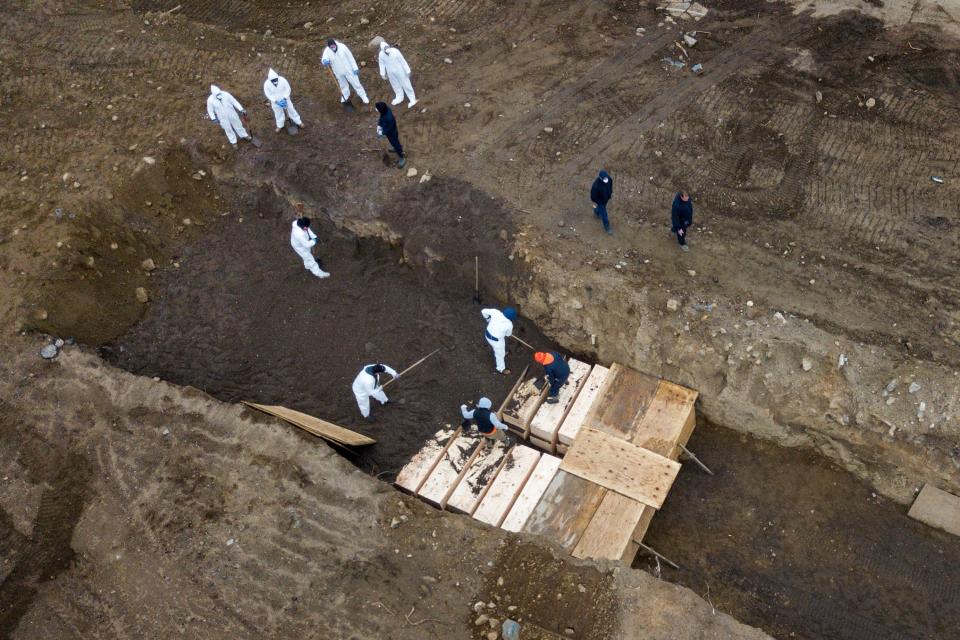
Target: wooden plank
x=546 y=422
x=480 y=475
x=609 y=533
x=449 y=470
x=625 y=396
x=937 y=508
x=620 y=466
x=507 y=485
x=581 y=407
x=521 y=408
x=542 y=444
x=630 y=553
x=663 y=424
x=415 y=472
x=565 y=509
x=513 y=390
x=532 y=491
x=316 y=426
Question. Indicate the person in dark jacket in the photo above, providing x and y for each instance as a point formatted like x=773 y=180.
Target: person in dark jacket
x=600 y=194
x=557 y=371
x=486 y=421
x=387 y=126
x=681 y=218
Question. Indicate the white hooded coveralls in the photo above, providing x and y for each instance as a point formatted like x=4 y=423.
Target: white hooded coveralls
x=276 y=93
x=302 y=240
x=345 y=70
x=394 y=67
x=365 y=386
x=224 y=108
x=499 y=327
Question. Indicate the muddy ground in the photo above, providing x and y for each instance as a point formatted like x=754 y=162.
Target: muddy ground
x=808 y=146
x=798 y=547
x=205 y=326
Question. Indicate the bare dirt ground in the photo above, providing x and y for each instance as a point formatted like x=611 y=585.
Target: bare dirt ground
x=808 y=145
x=798 y=547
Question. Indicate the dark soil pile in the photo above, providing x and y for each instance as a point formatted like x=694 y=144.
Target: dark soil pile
x=243 y=320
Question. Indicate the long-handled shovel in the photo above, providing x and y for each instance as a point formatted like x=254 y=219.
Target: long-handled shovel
x=254 y=140
x=526 y=344
x=415 y=364
x=476 y=279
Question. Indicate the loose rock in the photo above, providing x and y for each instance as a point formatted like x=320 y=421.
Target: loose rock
x=411 y=172
x=142 y=295
x=914 y=387
x=807 y=364
x=49 y=352
x=673 y=304
x=148 y=265
x=871 y=103
x=481 y=619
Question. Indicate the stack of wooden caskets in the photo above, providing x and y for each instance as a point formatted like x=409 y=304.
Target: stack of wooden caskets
x=621 y=432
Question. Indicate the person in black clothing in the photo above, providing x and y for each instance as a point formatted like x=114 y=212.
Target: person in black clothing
x=387 y=126
x=681 y=218
x=600 y=194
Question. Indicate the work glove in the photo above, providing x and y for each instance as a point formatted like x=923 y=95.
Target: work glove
x=383 y=77
x=379 y=131
x=356 y=72
x=282 y=103
x=396 y=377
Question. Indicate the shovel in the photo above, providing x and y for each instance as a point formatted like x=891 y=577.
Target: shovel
x=476 y=276
x=254 y=140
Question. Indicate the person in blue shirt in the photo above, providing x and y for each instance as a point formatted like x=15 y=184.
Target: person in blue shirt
x=600 y=194
x=681 y=218
x=556 y=370
x=387 y=126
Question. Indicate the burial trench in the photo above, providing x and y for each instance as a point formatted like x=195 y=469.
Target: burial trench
x=779 y=538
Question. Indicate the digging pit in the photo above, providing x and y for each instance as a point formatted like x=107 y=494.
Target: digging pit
x=776 y=538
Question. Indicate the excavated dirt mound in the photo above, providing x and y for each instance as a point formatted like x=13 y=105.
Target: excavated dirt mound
x=242 y=320
x=802 y=549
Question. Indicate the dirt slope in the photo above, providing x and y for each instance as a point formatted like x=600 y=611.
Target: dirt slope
x=136 y=508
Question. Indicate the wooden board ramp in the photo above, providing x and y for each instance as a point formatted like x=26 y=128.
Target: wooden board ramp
x=546 y=422
x=316 y=426
x=621 y=431
x=937 y=508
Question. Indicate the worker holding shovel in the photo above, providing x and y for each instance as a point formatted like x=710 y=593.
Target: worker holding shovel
x=499 y=327
x=367 y=385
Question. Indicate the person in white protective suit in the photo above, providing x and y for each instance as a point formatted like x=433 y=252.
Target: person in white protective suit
x=224 y=109
x=499 y=327
x=277 y=90
x=394 y=67
x=302 y=239
x=367 y=385
x=338 y=57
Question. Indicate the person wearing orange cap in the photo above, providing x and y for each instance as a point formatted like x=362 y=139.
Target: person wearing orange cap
x=557 y=371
